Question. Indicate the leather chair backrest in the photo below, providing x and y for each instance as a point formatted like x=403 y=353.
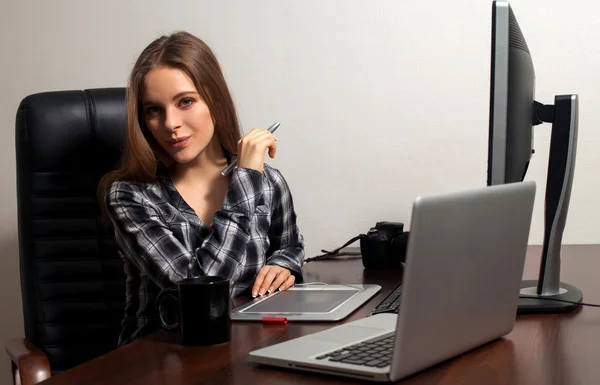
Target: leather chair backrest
x=72 y=279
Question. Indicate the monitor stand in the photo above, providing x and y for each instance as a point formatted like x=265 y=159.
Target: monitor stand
x=561 y=164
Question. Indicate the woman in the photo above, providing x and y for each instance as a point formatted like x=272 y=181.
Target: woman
x=174 y=214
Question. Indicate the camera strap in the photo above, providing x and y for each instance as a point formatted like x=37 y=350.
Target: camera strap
x=335 y=253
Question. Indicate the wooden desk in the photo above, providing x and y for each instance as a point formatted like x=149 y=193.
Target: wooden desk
x=547 y=349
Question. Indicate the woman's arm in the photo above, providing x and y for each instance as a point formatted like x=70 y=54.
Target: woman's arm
x=286 y=251
x=287 y=244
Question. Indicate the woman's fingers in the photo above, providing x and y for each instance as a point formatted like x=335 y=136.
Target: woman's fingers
x=281 y=278
x=268 y=281
x=260 y=277
x=288 y=283
x=252 y=148
x=271 y=278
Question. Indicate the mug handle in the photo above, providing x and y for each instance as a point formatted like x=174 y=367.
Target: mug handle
x=172 y=293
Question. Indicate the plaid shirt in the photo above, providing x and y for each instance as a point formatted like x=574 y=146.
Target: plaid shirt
x=161 y=239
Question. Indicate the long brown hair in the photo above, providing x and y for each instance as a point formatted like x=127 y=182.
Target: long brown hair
x=186 y=52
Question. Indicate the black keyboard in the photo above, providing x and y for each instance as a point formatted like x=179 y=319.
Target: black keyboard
x=390 y=304
x=376 y=352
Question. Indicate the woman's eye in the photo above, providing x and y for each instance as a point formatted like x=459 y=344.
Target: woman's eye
x=186 y=102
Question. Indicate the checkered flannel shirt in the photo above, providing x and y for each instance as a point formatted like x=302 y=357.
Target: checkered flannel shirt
x=161 y=239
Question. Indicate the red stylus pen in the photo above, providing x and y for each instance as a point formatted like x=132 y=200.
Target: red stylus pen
x=274 y=320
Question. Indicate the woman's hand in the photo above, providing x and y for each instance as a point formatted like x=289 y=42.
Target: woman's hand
x=271 y=278
x=252 y=148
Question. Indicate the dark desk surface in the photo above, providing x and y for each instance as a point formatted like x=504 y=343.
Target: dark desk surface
x=547 y=349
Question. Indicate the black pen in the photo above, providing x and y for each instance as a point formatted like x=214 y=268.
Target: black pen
x=233 y=163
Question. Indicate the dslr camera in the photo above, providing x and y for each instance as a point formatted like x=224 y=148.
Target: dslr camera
x=384 y=246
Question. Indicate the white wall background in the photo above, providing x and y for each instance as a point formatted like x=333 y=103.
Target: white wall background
x=379 y=101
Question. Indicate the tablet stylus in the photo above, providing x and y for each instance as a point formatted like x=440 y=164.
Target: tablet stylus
x=274 y=320
x=233 y=164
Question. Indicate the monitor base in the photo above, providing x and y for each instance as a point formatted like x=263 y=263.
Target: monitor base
x=544 y=305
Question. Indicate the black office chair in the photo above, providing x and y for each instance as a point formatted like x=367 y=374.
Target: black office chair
x=72 y=279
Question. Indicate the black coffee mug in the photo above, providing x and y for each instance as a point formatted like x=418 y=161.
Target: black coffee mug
x=204 y=310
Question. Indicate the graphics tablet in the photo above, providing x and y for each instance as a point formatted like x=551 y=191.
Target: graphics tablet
x=310 y=302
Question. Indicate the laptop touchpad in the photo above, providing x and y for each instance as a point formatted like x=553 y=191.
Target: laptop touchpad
x=347 y=334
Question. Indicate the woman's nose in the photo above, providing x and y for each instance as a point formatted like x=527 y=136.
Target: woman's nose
x=172 y=119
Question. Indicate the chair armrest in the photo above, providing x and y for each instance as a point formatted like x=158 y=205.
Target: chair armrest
x=31 y=363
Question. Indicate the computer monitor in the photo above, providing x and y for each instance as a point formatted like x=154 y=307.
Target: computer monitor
x=513 y=114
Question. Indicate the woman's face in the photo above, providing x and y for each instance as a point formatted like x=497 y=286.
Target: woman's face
x=175 y=114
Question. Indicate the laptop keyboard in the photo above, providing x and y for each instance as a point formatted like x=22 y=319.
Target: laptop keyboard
x=376 y=352
x=390 y=304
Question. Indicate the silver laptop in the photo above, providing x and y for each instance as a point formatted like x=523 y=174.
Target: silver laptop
x=464 y=266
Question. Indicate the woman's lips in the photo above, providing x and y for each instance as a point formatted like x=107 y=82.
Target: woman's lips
x=179 y=143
